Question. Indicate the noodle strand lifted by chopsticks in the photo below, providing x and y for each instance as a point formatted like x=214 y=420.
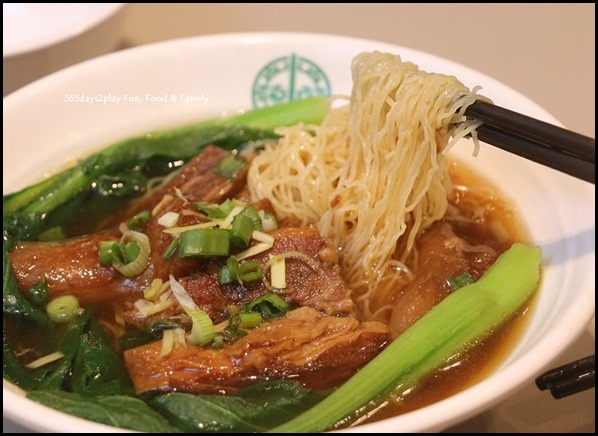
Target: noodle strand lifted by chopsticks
x=371 y=177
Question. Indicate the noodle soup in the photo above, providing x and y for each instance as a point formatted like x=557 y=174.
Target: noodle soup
x=472 y=221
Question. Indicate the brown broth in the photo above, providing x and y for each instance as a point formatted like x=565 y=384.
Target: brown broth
x=474 y=196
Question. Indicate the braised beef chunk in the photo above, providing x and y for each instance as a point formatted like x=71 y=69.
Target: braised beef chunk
x=312 y=275
x=71 y=267
x=317 y=350
x=310 y=282
x=442 y=255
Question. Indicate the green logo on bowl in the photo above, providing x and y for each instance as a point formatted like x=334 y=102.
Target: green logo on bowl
x=288 y=78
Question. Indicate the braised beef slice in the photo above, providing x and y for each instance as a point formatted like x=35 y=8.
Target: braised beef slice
x=442 y=255
x=317 y=350
x=312 y=275
x=71 y=267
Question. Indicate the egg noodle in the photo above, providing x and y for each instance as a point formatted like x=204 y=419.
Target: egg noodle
x=372 y=176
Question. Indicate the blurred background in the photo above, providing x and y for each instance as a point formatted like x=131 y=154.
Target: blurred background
x=534 y=48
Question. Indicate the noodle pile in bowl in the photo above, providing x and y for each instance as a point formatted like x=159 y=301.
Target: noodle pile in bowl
x=383 y=151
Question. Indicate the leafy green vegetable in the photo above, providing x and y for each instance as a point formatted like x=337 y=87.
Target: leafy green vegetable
x=153 y=332
x=467 y=315
x=114 y=410
x=253 y=409
x=97 y=369
x=123 y=184
x=14 y=302
x=38 y=293
x=18 y=200
x=52 y=376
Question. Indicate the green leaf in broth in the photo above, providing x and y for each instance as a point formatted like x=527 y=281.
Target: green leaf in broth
x=97 y=369
x=252 y=409
x=114 y=410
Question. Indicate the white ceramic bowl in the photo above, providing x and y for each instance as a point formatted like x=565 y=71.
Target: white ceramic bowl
x=77 y=110
x=39 y=38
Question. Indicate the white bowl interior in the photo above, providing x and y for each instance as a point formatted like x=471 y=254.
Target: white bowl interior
x=55 y=119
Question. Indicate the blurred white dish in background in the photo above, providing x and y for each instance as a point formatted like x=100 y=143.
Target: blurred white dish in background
x=39 y=38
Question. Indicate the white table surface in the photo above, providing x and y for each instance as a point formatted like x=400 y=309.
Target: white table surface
x=545 y=51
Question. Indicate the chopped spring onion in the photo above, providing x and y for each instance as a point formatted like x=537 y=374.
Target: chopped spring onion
x=460 y=280
x=241 y=231
x=278 y=276
x=252 y=213
x=225 y=276
x=139 y=221
x=229 y=273
x=231 y=166
x=250 y=272
x=64 y=309
x=245 y=272
x=216 y=211
x=269 y=222
x=204 y=242
x=129 y=256
x=248 y=320
x=105 y=252
x=169 y=219
x=218 y=341
x=269 y=306
x=202 y=330
x=174 y=244
x=130 y=266
x=44 y=360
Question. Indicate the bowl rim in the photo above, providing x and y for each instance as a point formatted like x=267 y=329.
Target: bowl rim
x=519 y=371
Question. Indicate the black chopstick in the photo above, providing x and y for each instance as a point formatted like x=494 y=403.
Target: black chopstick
x=536 y=140
x=532 y=150
x=569 y=379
